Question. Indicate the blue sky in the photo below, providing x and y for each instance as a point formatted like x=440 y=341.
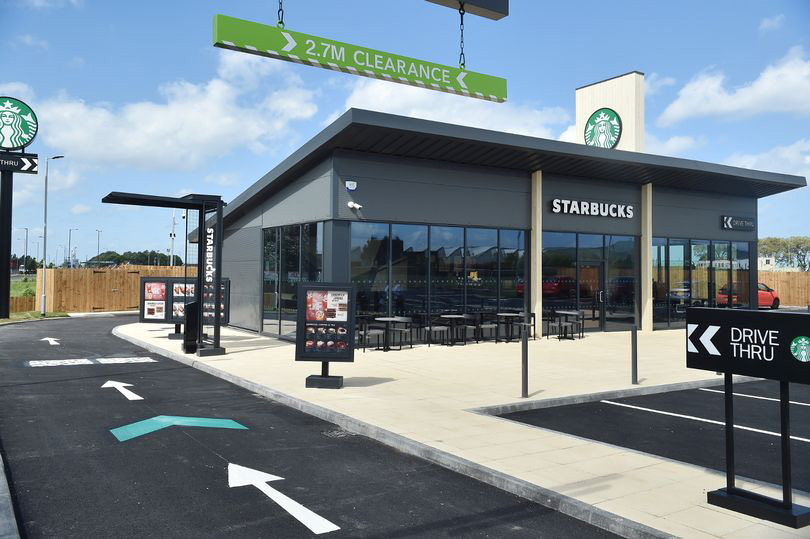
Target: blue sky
x=137 y=98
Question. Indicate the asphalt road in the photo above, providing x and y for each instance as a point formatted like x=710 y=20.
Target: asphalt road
x=637 y=423
x=71 y=477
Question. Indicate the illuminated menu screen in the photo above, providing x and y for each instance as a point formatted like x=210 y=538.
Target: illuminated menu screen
x=325 y=329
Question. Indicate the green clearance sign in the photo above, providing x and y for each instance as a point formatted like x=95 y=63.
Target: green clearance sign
x=283 y=44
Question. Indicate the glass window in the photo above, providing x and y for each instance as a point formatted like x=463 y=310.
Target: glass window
x=482 y=269
x=409 y=257
x=290 y=277
x=679 y=285
x=740 y=274
x=369 y=267
x=699 y=282
x=721 y=264
x=270 y=299
x=311 y=252
x=621 y=282
x=590 y=247
x=659 y=282
x=446 y=269
x=559 y=271
x=512 y=246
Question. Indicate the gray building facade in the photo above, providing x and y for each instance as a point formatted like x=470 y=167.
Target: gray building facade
x=428 y=218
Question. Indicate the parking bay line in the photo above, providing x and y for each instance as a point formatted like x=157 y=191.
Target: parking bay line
x=85 y=361
x=703 y=420
x=753 y=396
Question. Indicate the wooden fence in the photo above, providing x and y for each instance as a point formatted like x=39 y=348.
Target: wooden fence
x=793 y=287
x=94 y=290
x=22 y=304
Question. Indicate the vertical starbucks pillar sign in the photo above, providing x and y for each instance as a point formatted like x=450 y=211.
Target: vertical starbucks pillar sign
x=18 y=128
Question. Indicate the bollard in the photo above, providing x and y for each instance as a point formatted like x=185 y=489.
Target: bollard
x=634 y=353
x=524 y=392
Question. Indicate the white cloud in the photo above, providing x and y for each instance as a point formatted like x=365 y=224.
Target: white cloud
x=569 y=135
x=653 y=83
x=32 y=41
x=80 y=209
x=224 y=180
x=45 y=4
x=673 y=146
x=419 y=103
x=771 y=23
x=791 y=159
x=781 y=87
x=20 y=90
x=30 y=191
x=191 y=124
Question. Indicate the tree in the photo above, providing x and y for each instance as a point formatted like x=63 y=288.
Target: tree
x=788 y=252
x=139 y=258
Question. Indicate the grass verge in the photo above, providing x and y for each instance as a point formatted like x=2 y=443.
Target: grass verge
x=29 y=316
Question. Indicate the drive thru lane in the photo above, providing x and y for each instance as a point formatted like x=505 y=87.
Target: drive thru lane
x=688 y=426
x=169 y=476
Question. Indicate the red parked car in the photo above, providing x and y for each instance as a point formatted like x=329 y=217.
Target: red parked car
x=768 y=298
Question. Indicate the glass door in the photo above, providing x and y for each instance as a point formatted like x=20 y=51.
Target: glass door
x=591 y=294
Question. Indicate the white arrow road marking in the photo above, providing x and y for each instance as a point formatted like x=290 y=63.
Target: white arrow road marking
x=706 y=340
x=690 y=328
x=122 y=388
x=460 y=79
x=239 y=476
x=290 y=42
x=26 y=163
x=51 y=341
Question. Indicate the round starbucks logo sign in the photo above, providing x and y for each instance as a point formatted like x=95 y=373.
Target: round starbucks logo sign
x=18 y=124
x=800 y=348
x=603 y=129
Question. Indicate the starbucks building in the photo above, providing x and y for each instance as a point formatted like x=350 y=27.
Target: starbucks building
x=428 y=218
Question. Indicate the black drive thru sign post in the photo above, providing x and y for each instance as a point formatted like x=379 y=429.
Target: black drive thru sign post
x=768 y=345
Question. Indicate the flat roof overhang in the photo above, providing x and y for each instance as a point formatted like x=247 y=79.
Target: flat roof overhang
x=399 y=136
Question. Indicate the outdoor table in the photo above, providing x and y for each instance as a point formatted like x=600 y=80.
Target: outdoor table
x=387 y=338
x=453 y=318
x=566 y=314
x=508 y=320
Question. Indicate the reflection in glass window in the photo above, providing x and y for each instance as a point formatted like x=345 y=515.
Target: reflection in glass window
x=290 y=276
x=722 y=273
x=409 y=257
x=513 y=264
x=559 y=271
x=482 y=269
x=311 y=252
x=270 y=286
x=659 y=282
x=679 y=283
x=740 y=272
x=700 y=273
x=369 y=267
x=621 y=282
x=447 y=269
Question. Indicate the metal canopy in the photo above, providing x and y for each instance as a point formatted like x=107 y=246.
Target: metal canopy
x=399 y=136
x=490 y=9
x=188 y=202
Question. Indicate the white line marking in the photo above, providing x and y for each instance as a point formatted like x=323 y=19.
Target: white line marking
x=122 y=388
x=51 y=340
x=702 y=419
x=753 y=396
x=86 y=361
x=58 y=362
x=116 y=360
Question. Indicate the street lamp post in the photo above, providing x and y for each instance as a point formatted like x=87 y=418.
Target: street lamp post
x=69 y=252
x=25 y=256
x=45 y=235
x=98 y=243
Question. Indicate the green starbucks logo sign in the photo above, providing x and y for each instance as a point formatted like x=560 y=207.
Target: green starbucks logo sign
x=800 y=348
x=18 y=124
x=603 y=129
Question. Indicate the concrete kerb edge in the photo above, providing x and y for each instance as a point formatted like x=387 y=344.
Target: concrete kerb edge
x=8 y=520
x=545 y=497
x=501 y=409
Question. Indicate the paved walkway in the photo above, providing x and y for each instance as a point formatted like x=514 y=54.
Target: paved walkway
x=426 y=394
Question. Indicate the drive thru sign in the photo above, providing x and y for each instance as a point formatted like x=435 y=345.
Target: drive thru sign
x=283 y=44
x=768 y=345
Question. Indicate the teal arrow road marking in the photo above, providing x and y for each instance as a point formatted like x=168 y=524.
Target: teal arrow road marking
x=133 y=430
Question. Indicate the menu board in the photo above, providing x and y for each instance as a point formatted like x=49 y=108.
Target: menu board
x=325 y=325
x=164 y=300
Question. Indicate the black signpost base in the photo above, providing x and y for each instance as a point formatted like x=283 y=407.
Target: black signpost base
x=178 y=333
x=324 y=381
x=757 y=506
x=204 y=351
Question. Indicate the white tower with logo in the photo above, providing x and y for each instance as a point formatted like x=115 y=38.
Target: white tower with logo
x=624 y=96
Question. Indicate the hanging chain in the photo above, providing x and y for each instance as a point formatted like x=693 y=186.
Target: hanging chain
x=462 y=60
x=280 y=22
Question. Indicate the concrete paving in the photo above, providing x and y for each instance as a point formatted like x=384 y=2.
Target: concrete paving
x=422 y=398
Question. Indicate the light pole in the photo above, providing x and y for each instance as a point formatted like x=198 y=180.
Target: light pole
x=98 y=243
x=69 y=252
x=25 y=257
x=45 y=234
x=173 y=236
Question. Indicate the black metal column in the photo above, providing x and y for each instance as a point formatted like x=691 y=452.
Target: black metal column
x=787 y=481
x=201 y=237
x=6 y=189
x=218 y=275
x=729 y=402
